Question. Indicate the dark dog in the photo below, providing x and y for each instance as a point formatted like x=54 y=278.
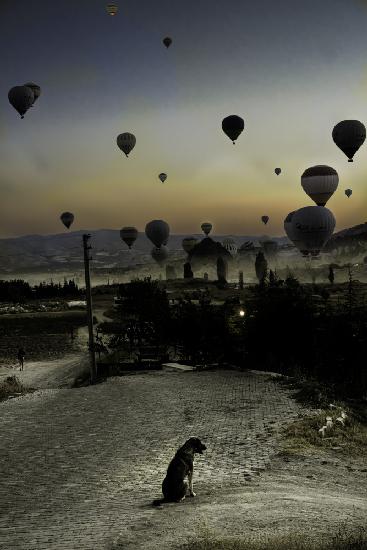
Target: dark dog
x=174 y=486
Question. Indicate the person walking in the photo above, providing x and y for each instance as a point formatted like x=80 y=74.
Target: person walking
x=21 y=355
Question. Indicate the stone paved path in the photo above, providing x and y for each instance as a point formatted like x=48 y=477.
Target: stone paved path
x=80 y=467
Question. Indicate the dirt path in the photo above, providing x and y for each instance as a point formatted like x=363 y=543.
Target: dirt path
x=59 y=373
x=56 y=373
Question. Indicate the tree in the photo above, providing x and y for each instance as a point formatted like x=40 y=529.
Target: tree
x=351 y=298
x=188 y=274
x=147 y=304
x=261 y=267
x=273 y=278
x=222 y=271
x=240 y=280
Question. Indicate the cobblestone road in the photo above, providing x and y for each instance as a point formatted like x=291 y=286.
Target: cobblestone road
x=80 y=465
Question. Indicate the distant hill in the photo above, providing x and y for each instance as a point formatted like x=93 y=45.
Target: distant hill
x=356 y=235
x=64 y=251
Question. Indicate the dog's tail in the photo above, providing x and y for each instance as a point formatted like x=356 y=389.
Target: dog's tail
x=158 y=501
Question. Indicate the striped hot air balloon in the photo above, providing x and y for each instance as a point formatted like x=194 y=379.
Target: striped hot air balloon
x=129 y=235
x=126 y=142
x=206 y=228
x=112 y=9
x=320 y=182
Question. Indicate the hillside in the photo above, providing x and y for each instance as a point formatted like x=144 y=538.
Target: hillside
x=64 y=251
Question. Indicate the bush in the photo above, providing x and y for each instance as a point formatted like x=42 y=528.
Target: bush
x=10 y=386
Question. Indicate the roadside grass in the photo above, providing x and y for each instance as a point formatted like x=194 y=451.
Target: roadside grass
x=11 y=386
x=303 y=435
x=344 y=539
x=310 y=392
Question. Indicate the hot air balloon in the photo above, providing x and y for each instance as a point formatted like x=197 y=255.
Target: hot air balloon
x=288 y=225
x=126 y=142
x=129 y=235
x=157 y=232
x=230 y=245
x=320 y=183
x=206 y=227
x=112 y=9
x=188 y=243
x=233 y=126
x=162 y=177
x=349 y=135
x=277 y=171
x=67 y=219
x=160 y=254
x=265 y=219
x=348 y=192
x=311 y=228
x=35 y=89
x=21 y=98
x=167 y=41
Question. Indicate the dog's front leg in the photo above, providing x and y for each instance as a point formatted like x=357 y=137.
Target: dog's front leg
x=191 y=488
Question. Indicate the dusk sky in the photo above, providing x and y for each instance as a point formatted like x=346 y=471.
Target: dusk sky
x=290 y=69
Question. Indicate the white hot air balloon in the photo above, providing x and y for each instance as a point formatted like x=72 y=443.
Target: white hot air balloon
x=288 y=225
x=160 y=254
x=320 y=183
x=312 y=227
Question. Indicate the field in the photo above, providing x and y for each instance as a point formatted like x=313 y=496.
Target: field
x=41 y=335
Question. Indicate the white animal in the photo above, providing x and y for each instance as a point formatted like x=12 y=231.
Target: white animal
x=329 y=422
x=322 y=431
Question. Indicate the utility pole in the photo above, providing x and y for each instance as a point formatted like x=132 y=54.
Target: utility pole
x=92 y=357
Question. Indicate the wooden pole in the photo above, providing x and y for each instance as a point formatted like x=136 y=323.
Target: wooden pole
x=92 y=356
